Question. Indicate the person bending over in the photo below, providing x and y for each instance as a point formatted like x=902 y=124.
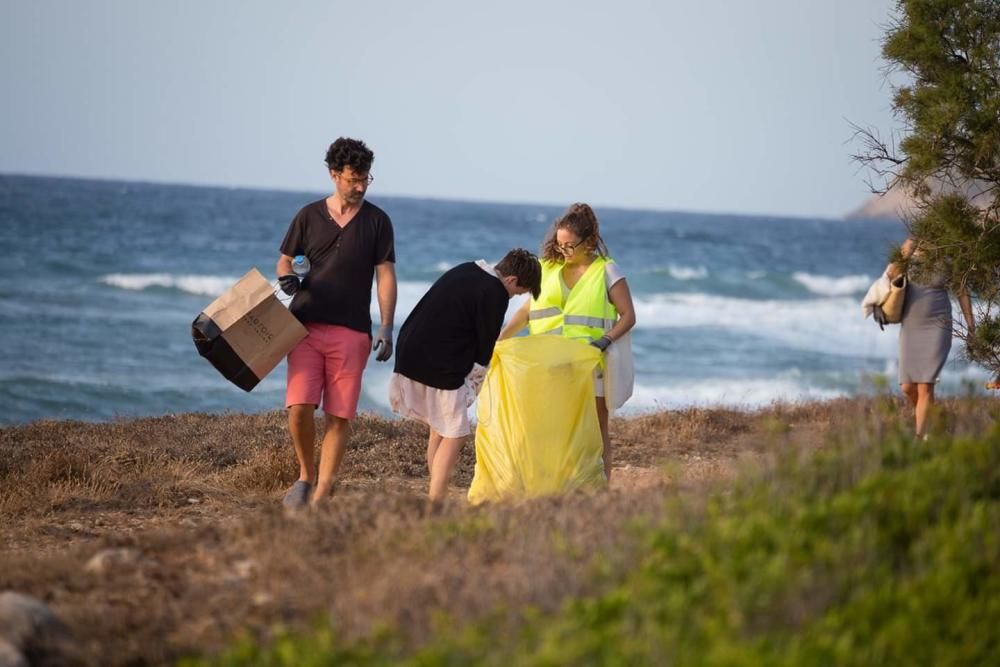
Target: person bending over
x=444 y=348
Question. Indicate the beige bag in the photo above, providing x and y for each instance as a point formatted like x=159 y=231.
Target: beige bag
x=246 y=332
x=892 y=306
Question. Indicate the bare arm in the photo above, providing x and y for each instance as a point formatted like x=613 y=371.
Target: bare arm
x=385 y=279
x=284 y=266
x=621 y=298
x=518 y=321
x=966 y=304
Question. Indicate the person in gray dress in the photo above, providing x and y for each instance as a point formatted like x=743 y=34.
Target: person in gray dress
x=925 y=335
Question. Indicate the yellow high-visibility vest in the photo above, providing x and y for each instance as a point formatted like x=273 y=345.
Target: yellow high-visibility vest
x=587 y=312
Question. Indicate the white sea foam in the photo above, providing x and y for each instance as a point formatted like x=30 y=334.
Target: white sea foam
x=830 y=286
x=745 y=393
x=749 y=393
x=408 y=293
x=443 y=266
x=687 y=272
x=192 y=284
x=832 y=326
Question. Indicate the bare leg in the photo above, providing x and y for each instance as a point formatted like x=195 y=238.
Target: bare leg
x=910 y=391
x=925 y=399
x=433 y=442
x=602 y=418
x=441 y=467
x=302 y=427
x=338 y=431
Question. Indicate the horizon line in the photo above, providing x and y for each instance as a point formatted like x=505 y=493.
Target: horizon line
x=457 y=199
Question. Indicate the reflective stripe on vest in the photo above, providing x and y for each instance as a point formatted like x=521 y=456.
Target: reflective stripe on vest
x=543 y=313
x=587 y=312
x=596 y=322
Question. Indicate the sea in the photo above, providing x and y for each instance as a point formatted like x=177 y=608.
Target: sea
x=101 y=280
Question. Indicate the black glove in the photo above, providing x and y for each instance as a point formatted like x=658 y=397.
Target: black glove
x=289 y=283
x=601 y=343
x=383 y=343
x=879 y=316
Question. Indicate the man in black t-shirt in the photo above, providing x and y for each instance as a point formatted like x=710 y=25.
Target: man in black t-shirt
x=444 y=348
x=347 y=241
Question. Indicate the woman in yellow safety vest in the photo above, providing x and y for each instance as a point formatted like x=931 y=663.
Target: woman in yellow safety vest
x=584 y=295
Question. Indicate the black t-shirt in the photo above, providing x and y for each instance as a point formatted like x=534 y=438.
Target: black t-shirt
x=338 y=287
x=453 y=326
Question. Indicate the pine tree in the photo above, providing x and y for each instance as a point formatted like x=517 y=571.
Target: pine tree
x=947 y=53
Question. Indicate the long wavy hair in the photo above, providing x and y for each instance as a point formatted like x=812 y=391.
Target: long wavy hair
x=581 y=220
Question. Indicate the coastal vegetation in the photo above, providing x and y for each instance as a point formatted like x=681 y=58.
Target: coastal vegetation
x=797 y=534
x=878 y=551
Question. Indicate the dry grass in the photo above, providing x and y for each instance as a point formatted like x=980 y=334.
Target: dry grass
x=197 y=498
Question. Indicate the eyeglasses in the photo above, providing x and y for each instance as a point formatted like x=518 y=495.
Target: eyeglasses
x=569 y=247
x=352 y=182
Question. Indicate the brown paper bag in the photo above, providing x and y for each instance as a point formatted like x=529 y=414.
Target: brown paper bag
x=246 y=332
x=894 y=301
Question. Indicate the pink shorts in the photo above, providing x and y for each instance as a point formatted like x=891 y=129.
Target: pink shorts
x=328 y=363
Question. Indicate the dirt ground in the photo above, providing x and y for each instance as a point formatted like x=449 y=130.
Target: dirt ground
x=163 y=537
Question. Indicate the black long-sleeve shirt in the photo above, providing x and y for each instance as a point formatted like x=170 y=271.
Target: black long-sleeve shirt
x=454 y=325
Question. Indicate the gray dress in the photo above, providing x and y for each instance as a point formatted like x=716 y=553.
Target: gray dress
x=925 y=334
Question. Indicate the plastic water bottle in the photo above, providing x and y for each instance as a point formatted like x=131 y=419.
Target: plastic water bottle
x=300 y=265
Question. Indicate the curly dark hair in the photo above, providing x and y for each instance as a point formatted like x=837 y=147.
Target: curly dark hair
x=524 y=266
x=582 y=221
x=351 y=153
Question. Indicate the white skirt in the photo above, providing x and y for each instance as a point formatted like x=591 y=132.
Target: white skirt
x=444 y=410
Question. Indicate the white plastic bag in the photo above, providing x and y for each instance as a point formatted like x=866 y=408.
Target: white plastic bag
x=619 y=372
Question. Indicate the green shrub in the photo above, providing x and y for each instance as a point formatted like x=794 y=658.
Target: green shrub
x=864 y=554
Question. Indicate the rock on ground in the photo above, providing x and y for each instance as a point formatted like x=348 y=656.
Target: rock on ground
x=30 y=634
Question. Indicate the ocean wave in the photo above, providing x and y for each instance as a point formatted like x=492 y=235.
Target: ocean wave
x=408 y=293
x=960 y=378
x=191 y=284
x=832 y=326
x=833 y=286
x=681 y=272
x=744 y=393
x=687 y=272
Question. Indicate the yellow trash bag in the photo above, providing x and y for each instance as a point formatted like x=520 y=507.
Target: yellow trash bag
x=537 y=430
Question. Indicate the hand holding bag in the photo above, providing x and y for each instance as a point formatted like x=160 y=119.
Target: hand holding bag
x=246 y=332
x=892 y=306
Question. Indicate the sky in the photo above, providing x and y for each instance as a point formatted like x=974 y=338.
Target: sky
x=732 y=106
